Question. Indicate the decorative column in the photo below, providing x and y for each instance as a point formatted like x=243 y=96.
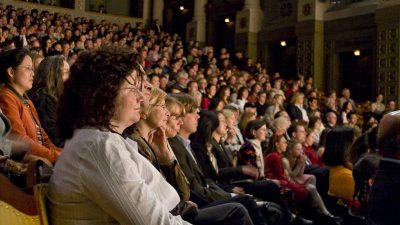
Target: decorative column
x=388 y=54
x=158 y=8
x=196 y=29
x=310 y=40
x=146 y=12
x=248 y=23
x=80 y=5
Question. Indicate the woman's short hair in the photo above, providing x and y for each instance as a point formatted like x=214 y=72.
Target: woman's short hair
x=11 y=59
x=252 y=126
x=228 y=112
x=174 y=107
x=49 y=77
x=337 y=147
x=89 y=94
x=188 y=102
x=296 y=96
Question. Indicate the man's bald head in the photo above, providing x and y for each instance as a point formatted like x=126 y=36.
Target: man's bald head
x=389 y=135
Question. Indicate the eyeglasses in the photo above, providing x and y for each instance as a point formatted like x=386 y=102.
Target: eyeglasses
x=134 y=90
x=175 y=116
x=29 y=68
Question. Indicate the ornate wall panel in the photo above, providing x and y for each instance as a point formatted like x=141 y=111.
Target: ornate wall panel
x=305 y=62
x=388 y=62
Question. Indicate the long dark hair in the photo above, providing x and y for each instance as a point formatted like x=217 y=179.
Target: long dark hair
x=48 y=78
x=89 y=94
x=208 y=123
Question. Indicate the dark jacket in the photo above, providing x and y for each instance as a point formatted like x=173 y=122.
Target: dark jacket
x=199 y=185
x=384 y=197
x=46 y=107
x=294 y=112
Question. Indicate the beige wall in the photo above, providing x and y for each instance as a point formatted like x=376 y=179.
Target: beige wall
x=75 y=13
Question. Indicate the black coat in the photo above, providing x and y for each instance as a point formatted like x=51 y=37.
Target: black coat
x=384 y=200
x=46 y=108
x=200 y=186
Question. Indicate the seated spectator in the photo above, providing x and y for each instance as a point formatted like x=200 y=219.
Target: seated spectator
x=336 y=157
x=352 y=119
x=209 y=97
x=261 y=104
x=294 y=162
x=296 y=108
x=16 y=74
x=380 y=106
x=331 y=120
x=314 y=127
x=241 y=100
x=275 y=107
x=385 y=193
x=274 y=169
x=47 y=88
x=346 y=98
x=364 y=173
x=115 y=184
x=346 y=109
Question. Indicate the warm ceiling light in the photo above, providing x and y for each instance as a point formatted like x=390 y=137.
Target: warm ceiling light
x=181 y=7
x=227 y=20
x=357 y=52
x=283 y=43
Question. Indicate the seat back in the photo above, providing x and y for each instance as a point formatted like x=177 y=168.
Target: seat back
x=16 y=207
x=40 y=191
x=11 y=216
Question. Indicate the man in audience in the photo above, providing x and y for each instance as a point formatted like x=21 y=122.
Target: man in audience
x=385 y=192
x=346 y=98
x=331 y=120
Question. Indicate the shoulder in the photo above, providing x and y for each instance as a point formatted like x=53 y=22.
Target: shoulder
x=274 y=156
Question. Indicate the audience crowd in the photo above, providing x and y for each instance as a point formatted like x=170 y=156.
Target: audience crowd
x=142 y=128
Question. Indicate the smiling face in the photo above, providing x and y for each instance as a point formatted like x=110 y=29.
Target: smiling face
x=21 y=77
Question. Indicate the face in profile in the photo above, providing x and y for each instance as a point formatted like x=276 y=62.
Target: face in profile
x=128 y=102
x=21 y=77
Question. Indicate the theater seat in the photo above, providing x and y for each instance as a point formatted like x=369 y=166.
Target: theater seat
x=16 y=207
x=40 y=191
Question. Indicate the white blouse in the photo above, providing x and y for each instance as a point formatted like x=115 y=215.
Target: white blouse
x=100 y=178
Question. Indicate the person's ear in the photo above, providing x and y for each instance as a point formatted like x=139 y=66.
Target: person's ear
x=10 y=72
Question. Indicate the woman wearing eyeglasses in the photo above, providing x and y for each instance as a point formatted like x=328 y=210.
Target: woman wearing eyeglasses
x=16 y=76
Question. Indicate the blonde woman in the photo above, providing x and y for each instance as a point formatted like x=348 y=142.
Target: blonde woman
x=295 y=108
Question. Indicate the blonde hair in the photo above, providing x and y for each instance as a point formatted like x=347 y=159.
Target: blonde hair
x=174 y=106
x=296 y=97
x=245 y=119
x=228 y=113
x=156 y=99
